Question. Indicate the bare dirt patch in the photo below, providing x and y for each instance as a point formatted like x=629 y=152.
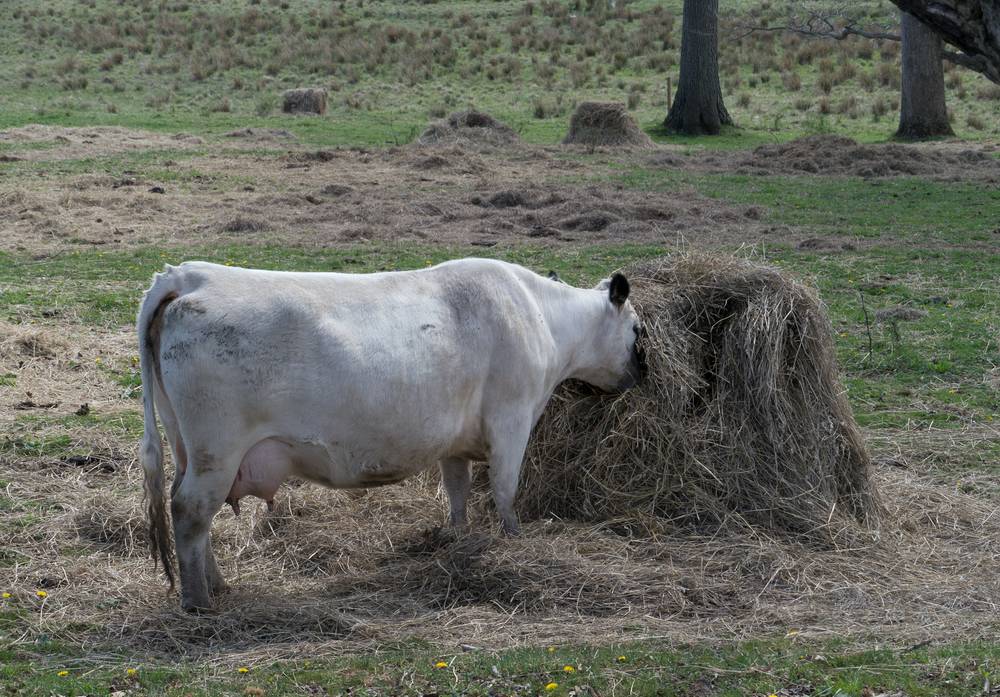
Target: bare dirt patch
x=830 y=155
x=66 y=143
x=451 y=195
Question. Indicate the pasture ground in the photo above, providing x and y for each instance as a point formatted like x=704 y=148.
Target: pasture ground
x=115 y=158
x=335 y=591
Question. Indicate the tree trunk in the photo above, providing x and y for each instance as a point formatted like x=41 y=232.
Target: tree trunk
x=922 y=110
x=698 y=106
x=971 y=25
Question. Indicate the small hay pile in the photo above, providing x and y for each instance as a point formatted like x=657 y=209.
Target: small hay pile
x=742 y=417
x=605 y=124
x=307 y=100
x=469 y=127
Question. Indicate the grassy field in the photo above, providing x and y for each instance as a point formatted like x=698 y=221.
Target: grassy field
x=109 y=102
x=780 y=667
x=391 y=67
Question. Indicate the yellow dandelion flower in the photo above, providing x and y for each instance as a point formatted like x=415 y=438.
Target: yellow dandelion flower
x=440 y=664
x=569 y=669
x=552 y=649
x=622 y=659
x=6 y=595
x=131 y=672
x=42 y=594
x=772 y=695
x=552 y=686
x=62 y=673
x=242 y=669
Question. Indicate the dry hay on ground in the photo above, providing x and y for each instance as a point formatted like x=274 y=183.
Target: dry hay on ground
x=742 y=414
x=306 y=100
x=341 y=572
x=469 y=128
x=841 y=156
x=332 y=572
x=605 y=124
x=592 y=213
x=69 y=143
x=333 y=197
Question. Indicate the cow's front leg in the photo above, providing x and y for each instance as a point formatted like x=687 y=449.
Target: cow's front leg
x=216 y=583
x=457 y=479
x=508 y=440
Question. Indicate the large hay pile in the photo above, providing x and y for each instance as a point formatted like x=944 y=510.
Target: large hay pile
x=742 y=415
x=471 y=128
x=605 y=123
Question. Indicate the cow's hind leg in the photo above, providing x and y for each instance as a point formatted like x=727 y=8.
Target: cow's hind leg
x=508 y=440
x=457 y=479
x=194 y=504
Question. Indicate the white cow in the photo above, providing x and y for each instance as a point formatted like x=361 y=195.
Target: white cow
x=356 y=380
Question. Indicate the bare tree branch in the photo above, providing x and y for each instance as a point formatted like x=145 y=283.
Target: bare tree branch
x=838 y=34
x=970 y=25
x=825 y=26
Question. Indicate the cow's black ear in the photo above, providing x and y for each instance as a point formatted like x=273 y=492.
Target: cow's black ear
x=553 y=276
x=618 y=290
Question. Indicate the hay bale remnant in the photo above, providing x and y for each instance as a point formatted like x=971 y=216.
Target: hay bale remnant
x=605 y=124
x=307 y=100
x=741 y=418
x=469 y=127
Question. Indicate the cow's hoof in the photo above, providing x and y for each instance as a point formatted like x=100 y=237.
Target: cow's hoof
x=196 y=607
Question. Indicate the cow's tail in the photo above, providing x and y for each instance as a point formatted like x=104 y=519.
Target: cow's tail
x=164 y=289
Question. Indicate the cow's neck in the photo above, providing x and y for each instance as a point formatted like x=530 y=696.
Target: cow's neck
x=574 y=317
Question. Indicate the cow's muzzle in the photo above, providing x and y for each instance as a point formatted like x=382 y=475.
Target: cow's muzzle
x=636 y=369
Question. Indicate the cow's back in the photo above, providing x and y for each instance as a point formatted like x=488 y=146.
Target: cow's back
x=409 y=359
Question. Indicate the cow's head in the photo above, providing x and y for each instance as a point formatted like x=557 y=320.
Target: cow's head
x=619 y=360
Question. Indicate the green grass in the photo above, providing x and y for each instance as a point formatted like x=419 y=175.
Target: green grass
x=922 y=210
x=42 y=435
x=926 y=372
x=104 y=287
x=172 y=67
x=648 y=668
x=155 y=164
